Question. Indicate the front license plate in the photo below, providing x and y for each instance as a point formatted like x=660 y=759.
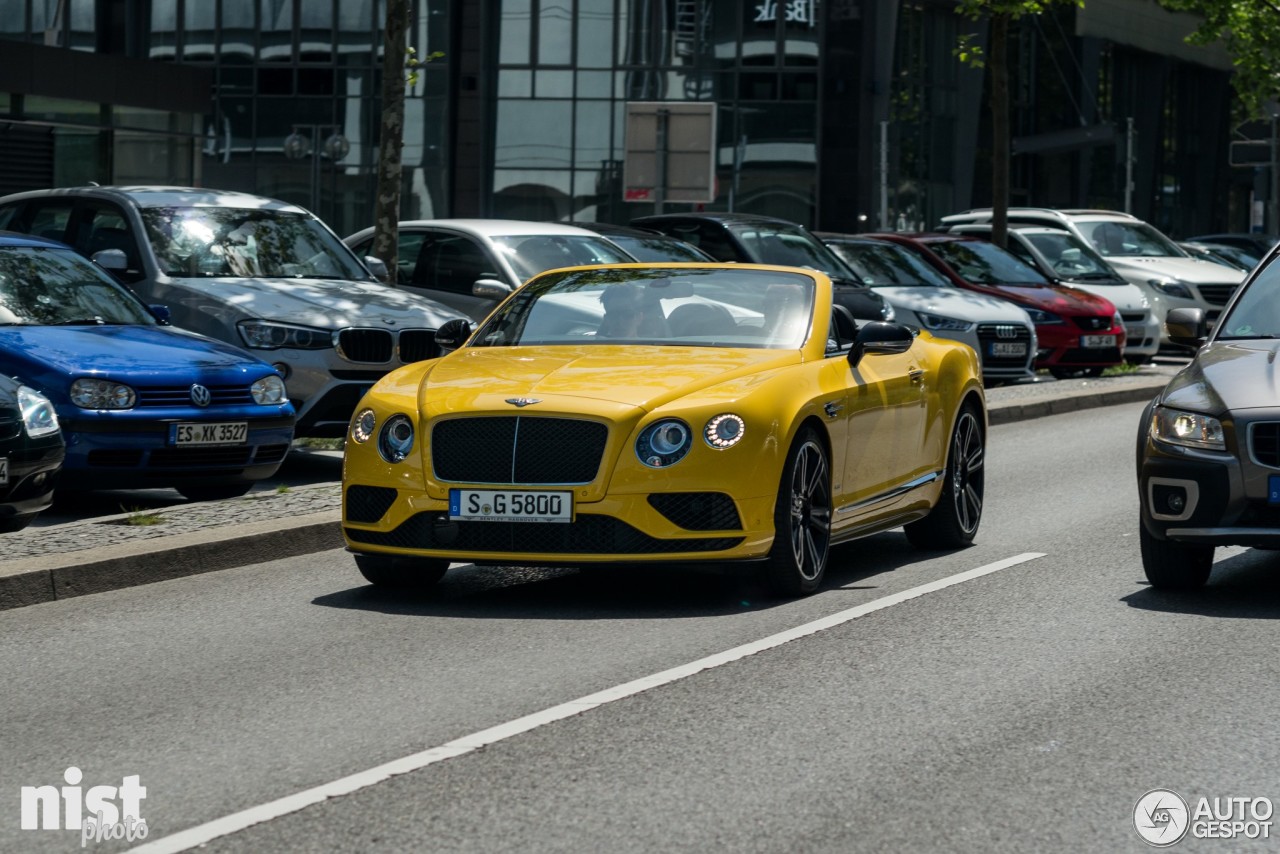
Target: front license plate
x=1273 y=489
x=1097 y=340
x=1008 y=348
x=219 y=433
x=1134 y=333
x=510 y=505
x=4 y=471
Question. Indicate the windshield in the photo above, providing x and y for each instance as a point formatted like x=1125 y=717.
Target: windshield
x=886 y=265
x=1256 y=311
x=1072 y=259
x=56 y=287
x=245 y=243
x=791 y=247
x=985 y=263
x=660 y=249
x=665 y=306
x=532 y=254
x=1136 y=239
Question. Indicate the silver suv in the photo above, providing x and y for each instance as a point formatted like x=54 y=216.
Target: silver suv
x=1140 y=253
x=259 y=273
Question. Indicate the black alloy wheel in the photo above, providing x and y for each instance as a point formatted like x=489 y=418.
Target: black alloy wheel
x=802 y=519
x=953 y=521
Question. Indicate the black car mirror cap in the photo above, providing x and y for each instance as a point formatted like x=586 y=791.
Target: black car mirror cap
x=1186 y=326
x=161 y=313
x=879 y=337
x=452 y=334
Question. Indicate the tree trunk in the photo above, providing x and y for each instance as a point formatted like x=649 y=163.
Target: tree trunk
x=1000 y=130
x=386 y=215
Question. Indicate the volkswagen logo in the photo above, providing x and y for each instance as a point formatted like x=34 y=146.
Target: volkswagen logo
x=1006 y=331
x=522 y=401
x=200 y=395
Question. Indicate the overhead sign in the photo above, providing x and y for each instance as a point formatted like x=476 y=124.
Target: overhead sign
x=670 y=154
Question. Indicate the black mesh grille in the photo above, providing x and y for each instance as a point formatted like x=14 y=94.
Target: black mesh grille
x=1091 y=356
x=369 y=503
x=698 y=511
x=180 y=395
x=1133 y=316
x=1093 y=324
x=1217 y=294
x=515 y=449
x=588 y=534
x=183 y=457
x=1005 y=333
x=365 y=345
x=1266 y=443
x=418 y=344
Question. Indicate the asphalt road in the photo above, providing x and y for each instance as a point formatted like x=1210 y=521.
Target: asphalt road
x=1025 y=709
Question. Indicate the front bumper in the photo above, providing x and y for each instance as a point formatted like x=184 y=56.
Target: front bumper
x=33 y=474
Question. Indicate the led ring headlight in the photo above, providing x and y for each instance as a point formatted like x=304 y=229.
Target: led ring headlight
x=724 y=431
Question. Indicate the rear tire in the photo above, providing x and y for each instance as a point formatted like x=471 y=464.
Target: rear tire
x=401 y=573
x=801 y=519
x=1171 y=565
x=953 y=521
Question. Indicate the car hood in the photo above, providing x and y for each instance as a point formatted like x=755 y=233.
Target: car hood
x=116 y=351
x=1191 y=270
x=626 y=375
x=1123 y=295
x=1058 y=299
x=1225 y=376
x=322 y=303
x=953 y=302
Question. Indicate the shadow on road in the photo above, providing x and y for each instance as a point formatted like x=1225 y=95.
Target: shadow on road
x=618 y=592
x=1244 y=587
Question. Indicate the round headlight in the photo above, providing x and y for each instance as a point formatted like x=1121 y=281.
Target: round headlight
x=396 y=439
x=268 y=390
x=664 y=443
x=89 y=393
x=362 y=426
x=724 y=431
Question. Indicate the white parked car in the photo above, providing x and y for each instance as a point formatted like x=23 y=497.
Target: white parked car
x=1138 y=251
x=1064 y=258
x=1000 y=331
x=472 y=264
x=258 y=273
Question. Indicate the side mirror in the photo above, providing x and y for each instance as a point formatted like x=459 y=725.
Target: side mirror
x=378 y=268
x=1186 y=326
x=880 y=337
x=159 y=312
x=453 y=334
x=111 y=259
x=491 y=289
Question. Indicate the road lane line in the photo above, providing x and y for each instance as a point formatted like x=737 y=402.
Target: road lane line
x=227 y=825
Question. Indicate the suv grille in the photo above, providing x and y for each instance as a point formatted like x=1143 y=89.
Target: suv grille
x=418 y=344
x=1217 y=294
x=517 y=449
x=1265 y=443
x=373 y=346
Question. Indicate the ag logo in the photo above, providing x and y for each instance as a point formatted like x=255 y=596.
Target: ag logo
x=1161 y=817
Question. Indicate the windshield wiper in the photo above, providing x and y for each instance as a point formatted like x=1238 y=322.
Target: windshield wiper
x=81 y=321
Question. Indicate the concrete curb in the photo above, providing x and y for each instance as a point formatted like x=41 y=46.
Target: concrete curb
x=30 y=581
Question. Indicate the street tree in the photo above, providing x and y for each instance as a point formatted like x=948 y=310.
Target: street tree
x=1249 y=30
x=1000 y=14
x=400 y=71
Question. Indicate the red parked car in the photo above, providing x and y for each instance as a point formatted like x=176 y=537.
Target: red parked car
x=1079 y=333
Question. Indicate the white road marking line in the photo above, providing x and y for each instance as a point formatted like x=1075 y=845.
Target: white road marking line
x=236 y=822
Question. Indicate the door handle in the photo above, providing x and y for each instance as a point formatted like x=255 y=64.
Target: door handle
x=916 y=375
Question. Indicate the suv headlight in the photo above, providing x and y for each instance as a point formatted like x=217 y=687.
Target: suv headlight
x=941 y=323
x=268 y=390
x=1042 y=317
x=1171 y=287
x=1189 y=429
x=88 y=393
x=268 y=335
x=38 y=415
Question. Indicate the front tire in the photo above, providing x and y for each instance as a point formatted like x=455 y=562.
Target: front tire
x=801 y=519
x=1171 y=565
x=401 y=573
x=953 y=521
x=214 y=493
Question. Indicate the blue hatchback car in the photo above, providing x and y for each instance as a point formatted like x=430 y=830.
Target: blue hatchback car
x=141 y=403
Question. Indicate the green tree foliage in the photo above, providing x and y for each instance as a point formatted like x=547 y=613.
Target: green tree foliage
x=1000 y=14
x=1249 y=30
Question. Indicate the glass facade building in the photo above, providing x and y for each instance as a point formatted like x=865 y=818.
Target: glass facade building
x=848 y=115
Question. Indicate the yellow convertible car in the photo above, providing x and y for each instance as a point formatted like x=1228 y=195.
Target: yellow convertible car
x=672 y=414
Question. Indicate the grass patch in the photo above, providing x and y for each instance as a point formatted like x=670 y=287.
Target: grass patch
x=142 y=518
x=1121 y=369
x=282 y=488
x=320 y=444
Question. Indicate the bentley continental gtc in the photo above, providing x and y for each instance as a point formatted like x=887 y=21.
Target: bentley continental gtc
x=673 y=413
